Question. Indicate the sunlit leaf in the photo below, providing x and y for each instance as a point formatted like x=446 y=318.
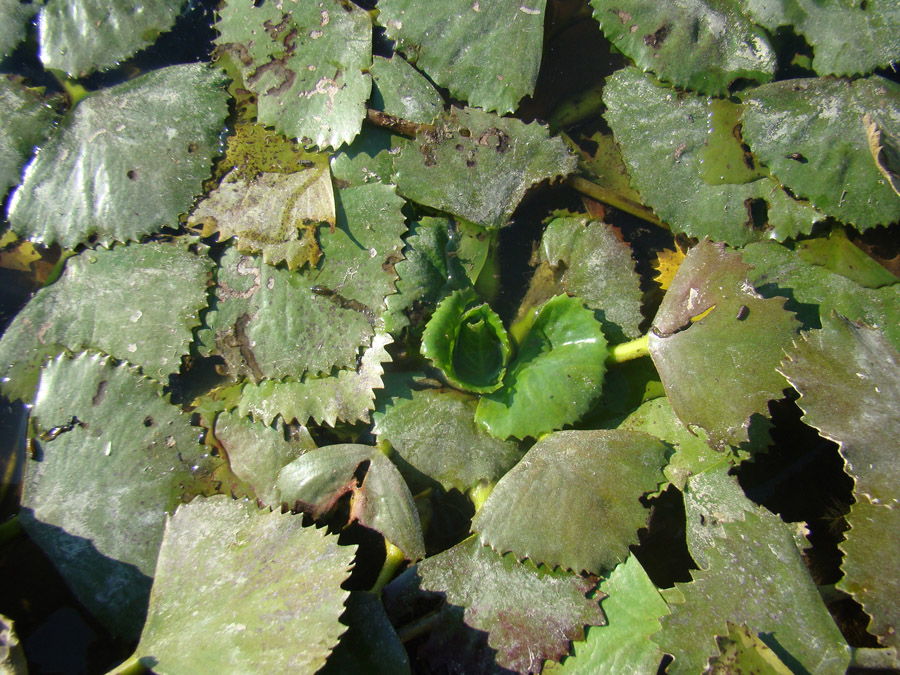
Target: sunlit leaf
x=402 y=91
x=12 y=655
x=115 y=457
x=716 y=343
x=571 y=483
x=490 y=161
x=870 y=552
x=664 y=136
x=382 y=501
x=126 y=162
x=486 y=53
x=348 y=397
x=79 y=36
x=136 y=303
x=811 y=133
x=848 y=377
x=269 y=598
x=757 y=577
x=838 y=254
x=305 y=62
x=633 y=609
x=257 y=453
x=698 y=44
x=874 y=25
x=25 y=121
x=492 y=588
x=741 y=651
x=434 y=432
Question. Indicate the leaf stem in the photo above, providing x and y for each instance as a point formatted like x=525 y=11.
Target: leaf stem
x=418 y=627
x=610 y=197
x=395 y=124
x=627 y=351
x=393 y=559
x=132 y=666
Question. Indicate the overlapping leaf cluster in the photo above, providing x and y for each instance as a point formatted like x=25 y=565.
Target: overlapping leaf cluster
x=323 y=229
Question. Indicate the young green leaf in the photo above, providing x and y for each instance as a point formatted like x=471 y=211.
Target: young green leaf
x=115 y=457
x=269 y=598
x=585 y=488
x=664 y=138
x=716 y=343
x=485 y=53
x=126 y=162
x=467 y=341
x=492 y=589
x=80 y=36
x=698 y=44
x=812 y=134
x=306 y=63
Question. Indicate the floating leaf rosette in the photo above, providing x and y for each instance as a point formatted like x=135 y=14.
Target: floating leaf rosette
x=467 y=341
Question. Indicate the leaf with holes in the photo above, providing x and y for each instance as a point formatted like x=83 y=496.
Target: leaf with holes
x=306 y=63
x=486 y=53
x=125 y=162
x=571 y=483
x=492 y=589
x=269 y=601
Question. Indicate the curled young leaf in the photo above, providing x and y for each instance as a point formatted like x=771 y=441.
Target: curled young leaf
x=467 y=341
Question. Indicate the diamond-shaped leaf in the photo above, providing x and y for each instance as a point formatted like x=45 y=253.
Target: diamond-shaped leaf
x=114 y=458
x=136 y=303
x=79 y=36
x=664 y=138
x=848 y=377
x=269 y=598
x=812 y=134
x=694 y=44
x=126 y=162
x=571 y=483
x=755 y=576
x=487 y=53
x=306 y=63
x=492 y=589
x=382 y=502
x=489 y=161
x=716 y=344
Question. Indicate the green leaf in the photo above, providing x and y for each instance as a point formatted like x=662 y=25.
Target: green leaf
x=257 y=453
x=382 y=502
x=633 y=609
x=870 y=554
x=812 y=135
x=485 y=53
x=716 y=344
x=277 y=324
x=743 y=652
x=555 y=376
x=699 y=44
x=692 y=453
x=136 y=303
x=268 y=600
x=467 y=341
x=274 y=190
x=80 y=36
x=25 y=122
x=126 y=162
x=606 y=167
x=370 y=644
x=874 y=25
x=838 y=254
x=664 y=138
x=434 y=433
x=115 y=457
x=348 y=397
x=14 y=18
x=848 y=377
x=755 y=574
x=492 y=589
x=312 y=56
x=593 y=480
x=815 y=291
x=596 y=267
x=400 y=90
x=490 y=161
